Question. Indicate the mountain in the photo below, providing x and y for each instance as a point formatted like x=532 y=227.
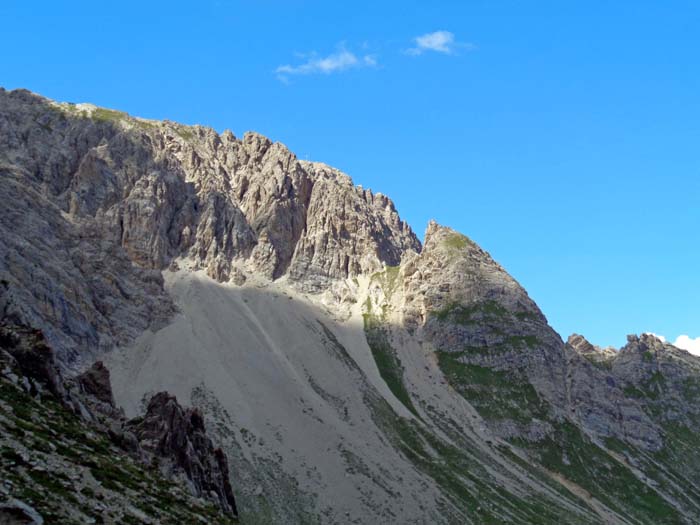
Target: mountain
x=348 y=372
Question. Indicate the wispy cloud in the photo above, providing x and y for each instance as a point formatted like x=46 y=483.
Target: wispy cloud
x=341 y=60
x=439 y=42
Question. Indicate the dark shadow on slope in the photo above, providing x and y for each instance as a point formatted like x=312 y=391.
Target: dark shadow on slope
x=59 y=434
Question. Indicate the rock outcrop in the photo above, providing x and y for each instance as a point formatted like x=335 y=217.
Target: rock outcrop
x=665 y=378
x=583 y=347
x=166 y=433
x=177 y=436
x=26 y=348
x=15 y=512
x=95 y=382
x=465 y=300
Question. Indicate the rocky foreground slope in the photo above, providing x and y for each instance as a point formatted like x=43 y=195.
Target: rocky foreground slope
x=68 y=455
x=349 y=373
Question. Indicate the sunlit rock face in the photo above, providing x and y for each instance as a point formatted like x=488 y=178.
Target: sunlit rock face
x=350 y=373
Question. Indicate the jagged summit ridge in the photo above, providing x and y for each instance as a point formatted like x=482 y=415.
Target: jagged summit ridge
x=282 y=200
x=119 y=190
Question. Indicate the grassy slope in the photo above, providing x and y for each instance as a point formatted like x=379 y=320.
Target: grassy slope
x=499 y=395
x=455 y=464
x=73 y=474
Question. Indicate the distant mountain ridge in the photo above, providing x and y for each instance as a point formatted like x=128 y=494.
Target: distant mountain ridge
x=351 y=373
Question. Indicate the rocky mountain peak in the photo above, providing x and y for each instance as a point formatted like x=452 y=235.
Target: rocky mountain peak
x=467 y=272
x=438 y=236
x=644 y=343
x=431 y=229
x=581 y=345
x=255 y=142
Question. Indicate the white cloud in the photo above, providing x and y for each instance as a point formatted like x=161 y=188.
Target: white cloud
x=438 y=41
x=370 y=60
x=333 y=63
x=688 y=343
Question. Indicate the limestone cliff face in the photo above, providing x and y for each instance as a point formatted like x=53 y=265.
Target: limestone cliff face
x=663 y=377
x=349 y=231
x=599 y=401
x=97 y=203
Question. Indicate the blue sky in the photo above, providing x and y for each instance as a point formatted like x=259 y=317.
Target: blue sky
x=564 y=137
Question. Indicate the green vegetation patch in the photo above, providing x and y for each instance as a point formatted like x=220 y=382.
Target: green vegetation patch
x=108 y=115
x=674 y=468
x=526 y=316
x=501 y=395
x=462 y=477
x=457 y=241
x=602 y=364
x=632 y=391
x=650 y=388
x=145 y=124
x=388 y=280
x=466 y=315
x=388 y=362
x=573 y=455
x=495 y=394
x=185 y=133
x=530 y=341
x=690 y=388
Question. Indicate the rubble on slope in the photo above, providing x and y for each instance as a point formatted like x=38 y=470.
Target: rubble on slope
x=69 y=455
